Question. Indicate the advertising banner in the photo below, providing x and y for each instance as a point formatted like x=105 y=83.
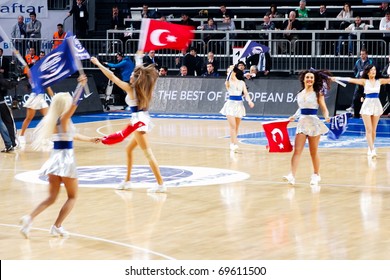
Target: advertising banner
x=14 y=8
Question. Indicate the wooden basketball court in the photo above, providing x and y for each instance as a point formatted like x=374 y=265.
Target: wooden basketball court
x=260 y=217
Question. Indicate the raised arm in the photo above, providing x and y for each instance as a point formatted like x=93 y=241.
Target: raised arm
x=349 y=80
x=110 y=75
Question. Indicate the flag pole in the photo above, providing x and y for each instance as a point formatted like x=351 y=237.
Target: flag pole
x=15 y=51
x=77 y=61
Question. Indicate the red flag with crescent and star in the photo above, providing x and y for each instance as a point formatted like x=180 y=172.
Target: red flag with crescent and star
x=277 y=136
x=157 y=34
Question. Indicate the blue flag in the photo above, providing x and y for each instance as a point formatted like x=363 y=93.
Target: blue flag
x=338 y=125
x=78 y=49
x=252 y=48
x=55 y=66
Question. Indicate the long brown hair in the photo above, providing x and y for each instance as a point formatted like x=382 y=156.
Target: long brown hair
x=144 y=81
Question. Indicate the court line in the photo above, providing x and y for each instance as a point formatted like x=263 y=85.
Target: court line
x=102 y=240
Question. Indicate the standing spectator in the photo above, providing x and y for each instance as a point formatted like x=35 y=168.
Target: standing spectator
x=116 y=19
x=180 y=58
x=210 y=71
x=346 y=14
x=385 y=26
x=303 y=12
x=163 y=71
x=383 y=9
x=7 y=123
x=231 y=26
x=151 y=58
x=33 y=30
x=274 y=13
x=4 y=65
x=262 y=62
x=193 y=63
x=233 y=108
x=358 y=71
x=320 y=25
x=58 y=36
x=183 y=71
x=18 y=33
x=309 y=127
x=80 y=17
x=30 y=58
x=223 y=12
x=126 y=68
x=186 y=20
x=385 y=89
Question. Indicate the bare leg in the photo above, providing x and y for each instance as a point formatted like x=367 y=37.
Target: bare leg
x=299 y=144
x=30 y=113
x=369 y=131
x=54 y=188
x=71 y=185
x=313 y=147
x=233 y=128
x=129 y=150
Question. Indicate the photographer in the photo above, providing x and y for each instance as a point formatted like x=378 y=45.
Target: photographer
x=7 y=123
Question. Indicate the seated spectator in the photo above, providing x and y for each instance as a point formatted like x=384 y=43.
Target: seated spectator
x=385 y=25
x=347 y=14
x=262 y=62
x=358 y=25
x=303 y=12
x=163 y=71
x=146 y=13
x=211 y=59
x=186 y=20
x=210 y=71
x=210 y=25
x=266 y=25
x=183 y=71
x=252 y=74
x=230 y=26
x=274 y=13
x=292 y=23
x=151 y=58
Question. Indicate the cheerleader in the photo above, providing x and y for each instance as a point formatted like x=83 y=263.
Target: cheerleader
x=309 y=127
x=372 y=109
x=233 y=108
x=61 y=166
x=139 y=92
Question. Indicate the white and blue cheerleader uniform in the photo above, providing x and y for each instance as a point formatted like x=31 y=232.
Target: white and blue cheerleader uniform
x=62 y=160
x=308 y=122
x=234 y=106
x=372 y=105
x=138 y=115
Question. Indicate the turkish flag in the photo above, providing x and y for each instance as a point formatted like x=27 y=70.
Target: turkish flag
x=119 y=136
x=277 y=136
x=156 y=35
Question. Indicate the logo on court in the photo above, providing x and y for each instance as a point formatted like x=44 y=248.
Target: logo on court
x=109 y=176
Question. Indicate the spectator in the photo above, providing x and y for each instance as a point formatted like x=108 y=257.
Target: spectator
x=210 y=71
x=358 y=25
x=211 y=58
x=262 y=62
x=186 y=20
x=30 y=58
x=18 y=33
x=146 y=13
x=151 y=59
x=242 y=66
x=41 y=54
x=117 y=20
x=163 y=71
x=4 y=65
x=274 y=13
x=385 y=25
x=347 y=14
x=231 y=26
x=266 y=25
x=33 y=30
x=358 y=93
x=252 y=74
x=320 y=25
x=210 y=25
x=80 y=16
x=7 y=123
x=291 y=24
x=225 y=12
x=303 y=12
x=193 y=63
x=180 y=58
x=383 y=9
x=183 y=71
x=58 y=36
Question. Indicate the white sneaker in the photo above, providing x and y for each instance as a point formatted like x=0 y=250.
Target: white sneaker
x=315 y=179
x=290 y=179
x=157 y=189
x=369 y=152
x=22 y=140
x=26 y=223
x=233 y=147
x=124 y=185
x=58 y=231
x=373 y=153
